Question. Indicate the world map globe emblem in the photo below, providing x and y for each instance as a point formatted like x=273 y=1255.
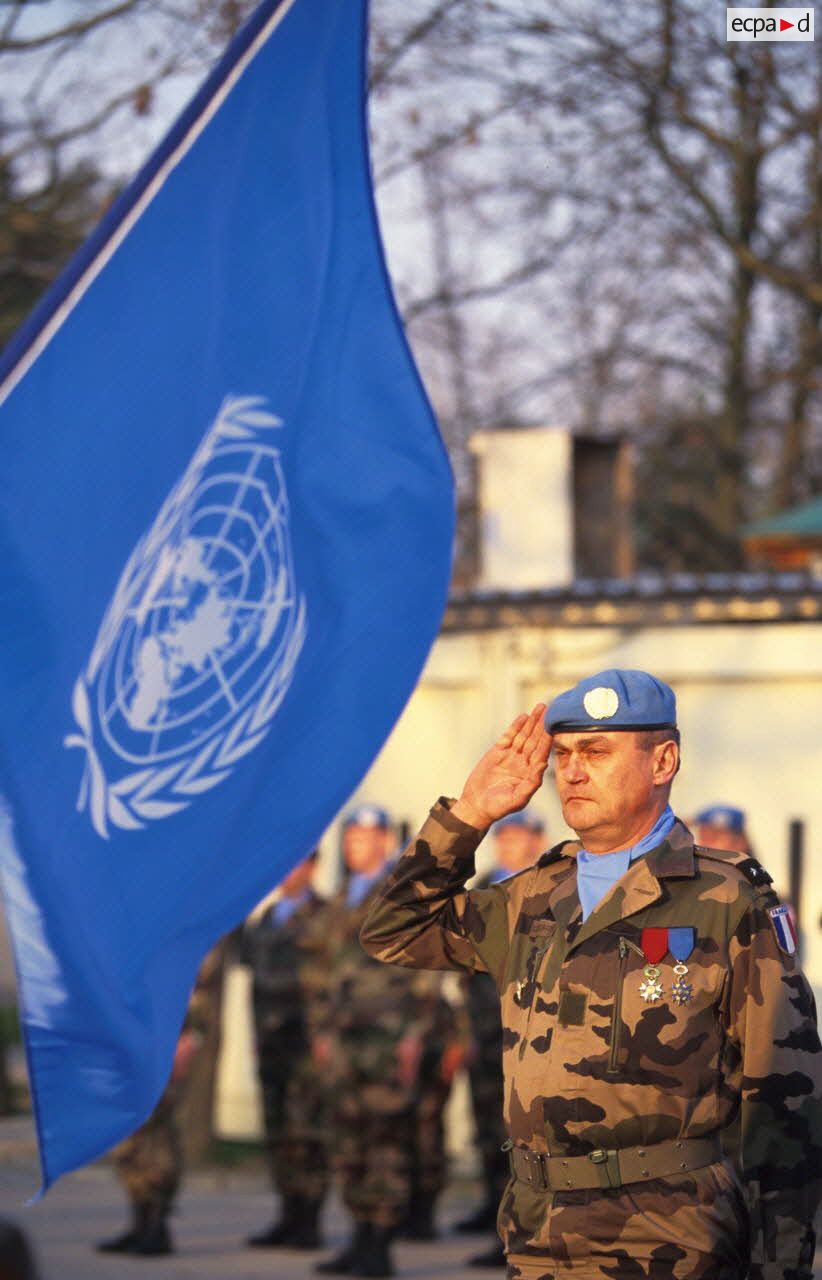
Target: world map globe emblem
x=208 y=618
x=199 y=645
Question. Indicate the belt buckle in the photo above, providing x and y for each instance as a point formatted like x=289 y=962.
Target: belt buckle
x=607 y=1162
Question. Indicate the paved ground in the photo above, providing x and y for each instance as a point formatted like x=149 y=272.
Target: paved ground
x=218 y=1209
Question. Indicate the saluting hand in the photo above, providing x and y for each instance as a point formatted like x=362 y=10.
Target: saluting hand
x=509 y=774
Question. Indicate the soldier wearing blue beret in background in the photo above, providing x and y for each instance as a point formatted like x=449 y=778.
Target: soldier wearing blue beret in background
x=518 y=843
x=281 y=945
x=372 y=1031
x=721 y=826
x=651 y=995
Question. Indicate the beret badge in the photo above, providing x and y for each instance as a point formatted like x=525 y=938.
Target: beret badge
x=601 y=703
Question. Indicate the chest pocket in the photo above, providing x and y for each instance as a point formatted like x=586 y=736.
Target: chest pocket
x=525 y=974
x=579 y=1005
x=661 y=1018
x=541 y=939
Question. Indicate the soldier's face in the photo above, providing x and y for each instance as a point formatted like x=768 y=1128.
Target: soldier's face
x=514 y=848
x=721 y=838
x=607 y=786
x=365 y=849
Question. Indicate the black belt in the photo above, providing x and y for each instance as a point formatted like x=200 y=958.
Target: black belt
x=611 y=1168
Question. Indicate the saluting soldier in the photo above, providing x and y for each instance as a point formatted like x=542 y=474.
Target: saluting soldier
x=518 y=843
x=369 y=1025
x=280 y=944
x=650 y=994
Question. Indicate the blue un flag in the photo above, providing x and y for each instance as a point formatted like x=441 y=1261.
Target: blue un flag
x=224 y=552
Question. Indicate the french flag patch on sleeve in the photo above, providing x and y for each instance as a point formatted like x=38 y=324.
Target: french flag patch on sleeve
x=783 y=927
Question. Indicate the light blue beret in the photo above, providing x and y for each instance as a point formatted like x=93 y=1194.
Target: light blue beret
x=367 y=815
x=723 y=816
x=614 y=699
x=525 y=818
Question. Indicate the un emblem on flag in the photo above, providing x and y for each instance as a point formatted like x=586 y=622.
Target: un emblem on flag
x=198 y=647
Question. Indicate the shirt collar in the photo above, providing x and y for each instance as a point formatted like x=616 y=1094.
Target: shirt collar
x=659 y=831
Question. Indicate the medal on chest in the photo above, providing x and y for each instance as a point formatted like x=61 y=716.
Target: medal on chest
x=680 y=945
x=654 y=943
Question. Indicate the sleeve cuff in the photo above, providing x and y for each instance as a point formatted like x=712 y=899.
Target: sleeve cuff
x=441 y=813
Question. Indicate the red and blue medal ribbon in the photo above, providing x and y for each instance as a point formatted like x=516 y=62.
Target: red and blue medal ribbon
x=681 y=942
x=654 y=943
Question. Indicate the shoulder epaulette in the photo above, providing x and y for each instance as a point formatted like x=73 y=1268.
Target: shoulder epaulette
x=750 y=868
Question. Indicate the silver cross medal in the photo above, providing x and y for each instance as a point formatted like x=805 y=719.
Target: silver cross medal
x=681 y=991
x=651 y=988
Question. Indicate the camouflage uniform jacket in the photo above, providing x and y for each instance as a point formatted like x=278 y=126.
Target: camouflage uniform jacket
x=362 y=1002
x=590 y=1065
x=283 y=959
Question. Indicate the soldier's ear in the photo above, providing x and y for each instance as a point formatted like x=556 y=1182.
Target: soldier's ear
x=666 y=762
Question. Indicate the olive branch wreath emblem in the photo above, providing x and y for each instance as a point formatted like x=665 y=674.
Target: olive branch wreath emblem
x=147 y=794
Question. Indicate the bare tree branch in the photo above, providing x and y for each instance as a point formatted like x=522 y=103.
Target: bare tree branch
x=70 y=31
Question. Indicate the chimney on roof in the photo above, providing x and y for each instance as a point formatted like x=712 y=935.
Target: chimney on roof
x=552 y=507
x=603 y=498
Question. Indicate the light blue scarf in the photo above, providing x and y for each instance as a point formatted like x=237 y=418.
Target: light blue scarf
x=596 y=872
x=360 y=885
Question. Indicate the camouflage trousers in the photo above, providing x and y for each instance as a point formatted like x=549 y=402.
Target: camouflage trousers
x=428 y=1159
x=149 y=1163
x=524 y=1267
x=684 y=1227
x=373 y=1132
x=296 y=1115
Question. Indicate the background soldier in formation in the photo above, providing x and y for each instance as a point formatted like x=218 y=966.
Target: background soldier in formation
x=281 y=945
x=721 y=826
x=650 y=995
x=370 y=1025
x=150 y=1163
x=518 y=842
x=443 y=1053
